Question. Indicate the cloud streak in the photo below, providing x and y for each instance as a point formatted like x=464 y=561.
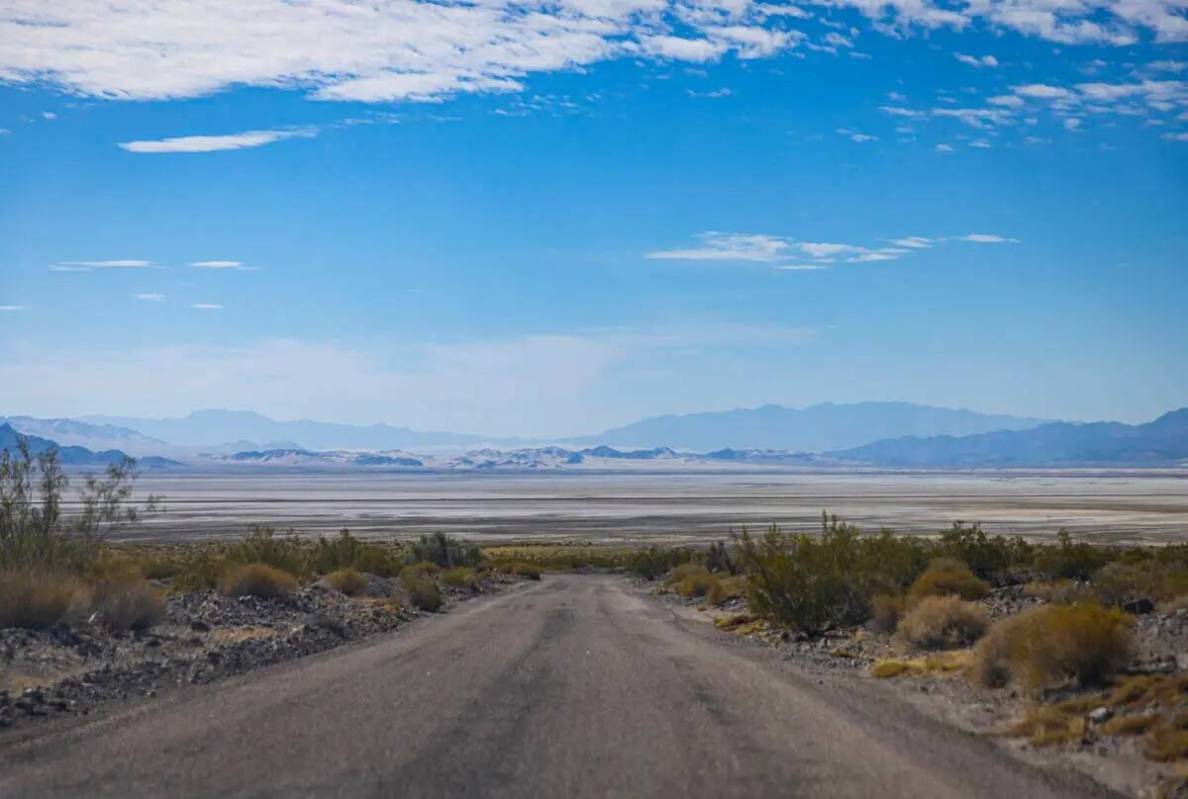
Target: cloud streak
x=213 y=144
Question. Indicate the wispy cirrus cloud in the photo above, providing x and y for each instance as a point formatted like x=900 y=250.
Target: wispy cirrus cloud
x=149 y=296
x=223 y=266
x=792 y=255
x=87 y=266
x=976 y=61
x=11 y=308
x=207 y=306
x=212 y=144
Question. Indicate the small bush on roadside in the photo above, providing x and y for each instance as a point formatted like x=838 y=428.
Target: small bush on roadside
x=1050 y=725
x=348 y=581
x=461 y=577
x=262 y=545
x=526 y=570
x=444 y=552
x=1069 y=560
x=125 y=605
x=719 y=559
x=724 y=589
x=421 y=591
x=256 y=579
x=35 y=598
x=947 y=577
x=198 y=571
x=943 y=622
x=1051 y=644
x=655 y=562
x=885 y=612
x=344 y=551
x=986 y=556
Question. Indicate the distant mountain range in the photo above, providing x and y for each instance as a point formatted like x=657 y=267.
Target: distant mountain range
x=770 y=436
x=816 y=428
x=211 y=429
x=74 y=455
x=1163 y=442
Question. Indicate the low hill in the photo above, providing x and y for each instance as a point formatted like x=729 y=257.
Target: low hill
x=1162 y=442
x=813 y=429
x=74 y=455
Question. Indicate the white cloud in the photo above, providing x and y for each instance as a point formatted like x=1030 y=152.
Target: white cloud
x=206 y=306
x=981 y=144
x=149 y=296
x=987 y=238
x=424 y=51
x=11 y=308
x=898 y=111
x=217 y=265
x=914 y=242
x=86 y=266
x=728 y=247
x=1176 y=136
x=1042 y=91
x=210 y=144
x=1006 y=101
x=1072 y=123
x=944 y=148
x=975 y=61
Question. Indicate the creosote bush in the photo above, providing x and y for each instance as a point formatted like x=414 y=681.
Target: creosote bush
x=943 y=622
x=348 y=581
x=1052 y=644
x=35 y=598
x=690 y=580
x=461 y=577
x=947 y=577
x=256 y=579
x=444 y=552
x=421 y=591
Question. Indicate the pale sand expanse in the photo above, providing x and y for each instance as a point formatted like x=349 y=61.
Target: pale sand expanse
x=1114 y=506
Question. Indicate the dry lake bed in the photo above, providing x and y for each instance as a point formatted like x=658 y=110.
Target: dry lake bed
x=1107 y=506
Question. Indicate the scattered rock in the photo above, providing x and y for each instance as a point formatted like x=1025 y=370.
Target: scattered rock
x=1139 y=607
x=1100 y=715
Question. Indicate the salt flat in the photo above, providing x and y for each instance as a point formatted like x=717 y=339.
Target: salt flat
x=1108 y=506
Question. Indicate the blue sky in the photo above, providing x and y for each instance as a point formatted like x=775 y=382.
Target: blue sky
x=548 y=219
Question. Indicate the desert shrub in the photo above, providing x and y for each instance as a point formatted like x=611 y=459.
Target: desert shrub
x=724 y=589
x=1050 y=725
x=943 y=622
x=804 y=582
x=691 y=580
x=256 y=579
x=34 y=533
x=1059 y=592
x=1122 y=581
x=420 y=590
x=1048 y=645
x=348 y=581
x=344 y=551
x=885 y=612
x=422 y=569
x=123 y=604
x=261 y=545
x=1069 y=560
x=443 y=551
x=460 y=577
x=947 y=577
x=1168 y=741
x=527 y=570
x=719 y=559
x=655 y=562
x=198 y=571
x=1130 y=725
x=35 y=598
x=986 y=556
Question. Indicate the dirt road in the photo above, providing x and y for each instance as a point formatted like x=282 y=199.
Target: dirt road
x=577 y=686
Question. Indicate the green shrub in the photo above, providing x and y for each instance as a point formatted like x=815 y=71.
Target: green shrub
x=526 y=570
x=262 y=545
x=198 y=571
x=444 y=552
x=803 y=582
x=655 y=562
x=344 y=551
x=1048 y=645
x=723 y=589
x=691 y=580
x=986 y=556
x=256 y=579
x=461 y=577
x=719 y=559
x=943 y=622
x=1068 y=560
x=944 y=577
x=347 y=581
x=35 y=598
x=420 y=591
x=127 y=604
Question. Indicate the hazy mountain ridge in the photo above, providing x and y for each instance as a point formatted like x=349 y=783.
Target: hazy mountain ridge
x=73 y=455
x=1162 y=442
x=816 y=428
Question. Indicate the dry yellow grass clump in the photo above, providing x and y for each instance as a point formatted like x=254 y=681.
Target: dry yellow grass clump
x=943 y=622
x=947 y=577
x=420 y=590
x=127 y=604
x=348 y=581
x=1049 y=645
x=257 y=579
x=940 y=663
x=461 y=577
x=35 y=598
